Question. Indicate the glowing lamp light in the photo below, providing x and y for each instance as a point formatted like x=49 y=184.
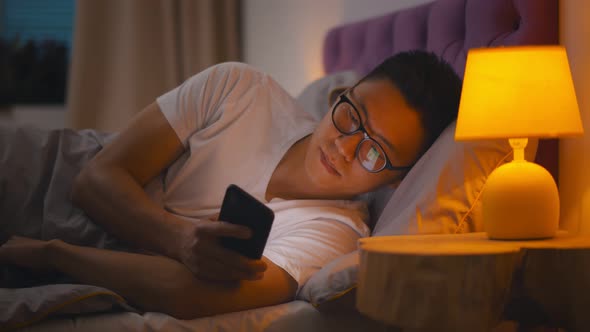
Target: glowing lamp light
x=517 y=93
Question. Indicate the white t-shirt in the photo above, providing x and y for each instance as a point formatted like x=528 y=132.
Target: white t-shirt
x=236 y=124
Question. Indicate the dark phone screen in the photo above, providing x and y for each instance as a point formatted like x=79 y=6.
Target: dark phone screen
x=241 y=208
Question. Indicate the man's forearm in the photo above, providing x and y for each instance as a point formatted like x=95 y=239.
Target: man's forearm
x=118 y=203
x=157 y=283
x=152 y=283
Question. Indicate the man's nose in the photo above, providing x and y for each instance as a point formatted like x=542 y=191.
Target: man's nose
x=347 y=144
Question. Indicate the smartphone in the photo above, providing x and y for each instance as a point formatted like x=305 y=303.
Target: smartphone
x=241 y=208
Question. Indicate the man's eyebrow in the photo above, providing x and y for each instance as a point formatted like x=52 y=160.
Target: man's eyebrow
x=364 y=109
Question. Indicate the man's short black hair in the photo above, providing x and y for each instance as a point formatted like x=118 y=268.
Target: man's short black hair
x=429 y=85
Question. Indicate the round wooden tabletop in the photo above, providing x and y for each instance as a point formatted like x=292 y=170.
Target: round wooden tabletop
x=464 y=282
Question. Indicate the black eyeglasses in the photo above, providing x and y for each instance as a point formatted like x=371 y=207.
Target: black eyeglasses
x=369 y=152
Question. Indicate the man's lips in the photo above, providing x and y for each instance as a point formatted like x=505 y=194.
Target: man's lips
x=331 y=169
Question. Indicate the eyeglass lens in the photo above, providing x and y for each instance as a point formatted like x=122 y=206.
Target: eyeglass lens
x=347 y=121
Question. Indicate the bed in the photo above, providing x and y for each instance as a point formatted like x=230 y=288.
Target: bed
x=440 y=195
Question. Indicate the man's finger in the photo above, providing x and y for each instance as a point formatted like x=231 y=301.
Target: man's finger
x=222 y=228
x=233 y=259
x=212 y=269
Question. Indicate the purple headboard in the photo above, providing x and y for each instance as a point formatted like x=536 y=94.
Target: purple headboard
x=448 y=28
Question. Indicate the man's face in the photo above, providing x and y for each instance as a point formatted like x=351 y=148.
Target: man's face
x=331 y=160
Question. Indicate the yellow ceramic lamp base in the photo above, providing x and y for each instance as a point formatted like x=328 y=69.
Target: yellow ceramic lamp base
x=520 y=201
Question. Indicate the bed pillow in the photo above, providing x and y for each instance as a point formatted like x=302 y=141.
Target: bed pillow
x=333 y=281
x=441 y=194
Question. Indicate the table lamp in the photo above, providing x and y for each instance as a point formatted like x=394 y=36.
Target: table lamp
x=516 y=93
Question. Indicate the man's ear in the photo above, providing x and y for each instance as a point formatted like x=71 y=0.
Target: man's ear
x=335 y=93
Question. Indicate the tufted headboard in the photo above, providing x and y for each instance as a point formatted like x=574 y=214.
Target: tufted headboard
x=448 y=28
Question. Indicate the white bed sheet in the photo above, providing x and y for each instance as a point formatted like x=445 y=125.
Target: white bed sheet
x=294 y=316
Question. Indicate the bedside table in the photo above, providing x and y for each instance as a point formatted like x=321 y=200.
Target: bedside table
x=466 y=282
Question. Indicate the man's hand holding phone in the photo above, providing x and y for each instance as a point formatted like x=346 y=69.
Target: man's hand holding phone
x=202 y=253
x=231 y=248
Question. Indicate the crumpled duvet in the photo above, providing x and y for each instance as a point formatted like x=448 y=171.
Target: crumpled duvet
x=22 y=307
x=38 y=206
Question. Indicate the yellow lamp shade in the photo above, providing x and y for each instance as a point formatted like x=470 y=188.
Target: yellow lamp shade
x=517 y=92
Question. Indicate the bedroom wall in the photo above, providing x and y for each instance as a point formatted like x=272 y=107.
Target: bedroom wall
x=574 y=159
x=284 y=38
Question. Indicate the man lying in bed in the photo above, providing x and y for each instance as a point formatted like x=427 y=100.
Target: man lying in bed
x=157 y=183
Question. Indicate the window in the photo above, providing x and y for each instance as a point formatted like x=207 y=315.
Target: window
x=35 y=44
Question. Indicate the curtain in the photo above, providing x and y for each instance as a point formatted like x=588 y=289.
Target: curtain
x=128 y=52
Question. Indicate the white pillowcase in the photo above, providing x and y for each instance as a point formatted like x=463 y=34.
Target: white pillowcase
x=441 y=194
x=333 y=281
